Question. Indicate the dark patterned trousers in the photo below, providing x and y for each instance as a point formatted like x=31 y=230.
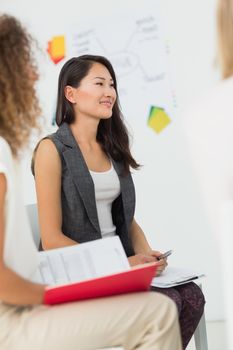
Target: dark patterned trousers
x=190 y=303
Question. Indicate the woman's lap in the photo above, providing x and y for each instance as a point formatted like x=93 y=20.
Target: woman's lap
x=104 y=322
x=189 y=292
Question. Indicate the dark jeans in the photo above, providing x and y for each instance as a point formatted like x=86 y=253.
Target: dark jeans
x=190 y=303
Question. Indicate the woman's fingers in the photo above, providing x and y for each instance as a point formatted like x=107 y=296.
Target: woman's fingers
x=140 y=259
x=161 y=265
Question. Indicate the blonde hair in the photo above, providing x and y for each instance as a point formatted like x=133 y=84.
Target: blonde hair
x=19 y=107
x=225 y=36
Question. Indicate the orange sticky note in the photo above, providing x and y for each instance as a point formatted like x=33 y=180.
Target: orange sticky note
x=56 y=48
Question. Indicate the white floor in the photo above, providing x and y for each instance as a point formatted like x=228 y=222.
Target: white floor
x=216 y=333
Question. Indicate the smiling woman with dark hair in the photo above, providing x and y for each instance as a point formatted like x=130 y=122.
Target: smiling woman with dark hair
x=136 y=321
x=84 y=186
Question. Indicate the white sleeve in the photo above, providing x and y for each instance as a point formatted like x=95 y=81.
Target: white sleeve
x=4 y=159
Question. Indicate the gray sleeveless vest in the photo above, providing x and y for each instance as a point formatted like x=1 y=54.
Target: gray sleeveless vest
x=79 y=212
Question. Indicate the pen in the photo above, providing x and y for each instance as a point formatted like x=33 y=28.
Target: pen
x=164 y=255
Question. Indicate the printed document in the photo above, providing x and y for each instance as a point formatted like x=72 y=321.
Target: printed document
x=81 y=262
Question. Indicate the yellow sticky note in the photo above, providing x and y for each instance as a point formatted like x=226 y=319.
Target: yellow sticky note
x=158 y=119
x=56 y=48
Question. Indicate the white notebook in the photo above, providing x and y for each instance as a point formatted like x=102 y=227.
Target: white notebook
x=173 y=276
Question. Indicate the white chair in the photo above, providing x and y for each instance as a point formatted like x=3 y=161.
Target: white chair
x=34 y=222
x=200 y=335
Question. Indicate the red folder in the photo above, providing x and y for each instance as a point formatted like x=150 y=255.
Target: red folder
x=134 y=280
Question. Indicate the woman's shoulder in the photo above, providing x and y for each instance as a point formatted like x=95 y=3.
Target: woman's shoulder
x=6 y=157
x=50 y=142
x=5 y=150
x=45 y=151
x=4 y=144
x=47 y=146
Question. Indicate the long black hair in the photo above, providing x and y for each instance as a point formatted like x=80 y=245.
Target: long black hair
x=112 y=133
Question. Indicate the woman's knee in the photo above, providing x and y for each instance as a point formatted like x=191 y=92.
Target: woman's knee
x=193 y=295
x=162 y=306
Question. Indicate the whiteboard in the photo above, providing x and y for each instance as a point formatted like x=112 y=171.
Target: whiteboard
x=168 y=72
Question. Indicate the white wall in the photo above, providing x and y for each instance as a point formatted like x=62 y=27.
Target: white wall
x=169 y=206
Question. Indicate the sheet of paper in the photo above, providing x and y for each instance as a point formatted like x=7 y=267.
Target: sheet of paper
x=173 y=276
x=80 y=262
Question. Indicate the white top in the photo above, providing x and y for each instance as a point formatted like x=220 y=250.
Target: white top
x=209 y=129
x=107 y=189
x=20 y=253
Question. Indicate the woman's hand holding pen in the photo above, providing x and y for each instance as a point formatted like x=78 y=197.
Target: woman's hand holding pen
x=151 y=256
x=161 y=262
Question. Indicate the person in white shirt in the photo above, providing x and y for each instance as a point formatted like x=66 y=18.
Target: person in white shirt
x=135 y=321
x=209 y=130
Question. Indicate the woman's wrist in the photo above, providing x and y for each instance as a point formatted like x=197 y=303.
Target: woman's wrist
x=39 y=294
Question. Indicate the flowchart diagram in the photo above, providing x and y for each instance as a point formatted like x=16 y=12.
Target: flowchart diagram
x=137 y=49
